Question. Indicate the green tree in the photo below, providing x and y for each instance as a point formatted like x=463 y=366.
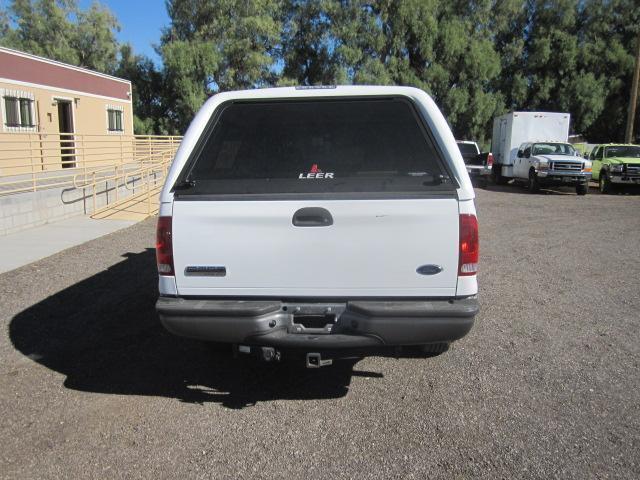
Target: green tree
x=552 y=52
x=42 y=27
x=215 y=46
x=59 y=30
x=308 y=53
x=507 y=27
x=360 y=42
x=609 y=32
x=149 y=112
x=477 y=58
x=94 y=38
x=444 y=48
x=568 y=55
x=4 y=23
x=468 y=65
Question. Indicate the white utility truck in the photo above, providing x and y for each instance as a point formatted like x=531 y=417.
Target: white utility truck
x=533 y=147
x=513 y=129
x=329 y=222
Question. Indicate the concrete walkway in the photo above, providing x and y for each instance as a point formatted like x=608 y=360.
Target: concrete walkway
x=27 y=246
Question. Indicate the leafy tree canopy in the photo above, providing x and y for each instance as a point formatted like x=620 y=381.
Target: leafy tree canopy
x=58 y=29
x=477 y=58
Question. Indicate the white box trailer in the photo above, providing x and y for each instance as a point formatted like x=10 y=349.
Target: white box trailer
x=513 y=129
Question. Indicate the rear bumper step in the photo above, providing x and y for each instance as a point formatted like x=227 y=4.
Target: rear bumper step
x=356 y=324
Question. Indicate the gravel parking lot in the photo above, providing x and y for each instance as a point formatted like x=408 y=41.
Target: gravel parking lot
x=547 y=384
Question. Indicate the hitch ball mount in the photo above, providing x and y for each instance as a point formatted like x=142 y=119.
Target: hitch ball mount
x=270 y=354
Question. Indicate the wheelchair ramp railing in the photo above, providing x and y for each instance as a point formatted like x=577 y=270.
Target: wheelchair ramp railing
x=120 y=175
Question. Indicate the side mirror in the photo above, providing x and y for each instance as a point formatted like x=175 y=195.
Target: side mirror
x=519 y=153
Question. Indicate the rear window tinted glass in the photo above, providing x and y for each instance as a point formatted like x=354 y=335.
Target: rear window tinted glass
x=355 y=145
x=629 y=151
x=467 y=149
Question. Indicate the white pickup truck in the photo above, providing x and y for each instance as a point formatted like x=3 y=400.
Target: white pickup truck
x=327 y=222
x=552 y=163
x=478 y=164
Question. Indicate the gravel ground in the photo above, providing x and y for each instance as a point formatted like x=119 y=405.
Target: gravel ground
x=547 y=384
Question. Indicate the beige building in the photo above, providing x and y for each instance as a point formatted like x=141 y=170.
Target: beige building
x=55 y=116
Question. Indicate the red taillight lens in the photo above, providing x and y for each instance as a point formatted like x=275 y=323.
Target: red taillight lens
x=164 y=246
x=469 y=245
x=490 y=160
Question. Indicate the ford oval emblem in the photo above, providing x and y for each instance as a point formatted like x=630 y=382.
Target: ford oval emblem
x=429 y=269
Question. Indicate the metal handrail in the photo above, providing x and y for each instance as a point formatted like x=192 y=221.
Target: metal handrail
x=150 y=180
x=50 y=160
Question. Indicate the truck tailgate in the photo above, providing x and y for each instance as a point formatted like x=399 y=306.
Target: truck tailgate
x=372 y=249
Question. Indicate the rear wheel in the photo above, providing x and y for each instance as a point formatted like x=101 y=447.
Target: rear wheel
x=605 y=183
x=497 y=177
x=582 y=189
x=481 y=181
x=533 y=186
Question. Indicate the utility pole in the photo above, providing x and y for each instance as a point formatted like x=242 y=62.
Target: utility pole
x=633 y=100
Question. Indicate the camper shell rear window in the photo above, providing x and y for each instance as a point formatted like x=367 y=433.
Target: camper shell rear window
x=319 y=146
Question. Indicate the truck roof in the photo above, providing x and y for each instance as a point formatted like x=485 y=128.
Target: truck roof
x=546 y=141
x=319 y=91
x=534 y=113
x=616 y=145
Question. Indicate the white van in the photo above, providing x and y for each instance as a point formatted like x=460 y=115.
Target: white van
x=330 y=221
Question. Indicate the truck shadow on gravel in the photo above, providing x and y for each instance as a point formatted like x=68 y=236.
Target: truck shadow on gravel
x=104 y=335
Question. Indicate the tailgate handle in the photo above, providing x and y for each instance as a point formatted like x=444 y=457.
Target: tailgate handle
x=312 y=217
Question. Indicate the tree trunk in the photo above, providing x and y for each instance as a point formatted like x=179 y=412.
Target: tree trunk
x=633 y=100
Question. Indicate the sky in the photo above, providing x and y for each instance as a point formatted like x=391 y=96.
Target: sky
x=140 y=22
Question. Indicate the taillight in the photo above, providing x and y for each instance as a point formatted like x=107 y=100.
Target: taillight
x=164 y=246
x=469 y=245
x=490 y=160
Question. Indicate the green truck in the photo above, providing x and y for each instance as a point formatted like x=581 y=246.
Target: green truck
x=615 y=165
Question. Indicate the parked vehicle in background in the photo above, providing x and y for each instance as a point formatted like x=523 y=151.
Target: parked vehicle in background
x=552 y=163
x=583 y=148
x=615 y=165
x=478 y=164
x=513 y=129
x=302 y=220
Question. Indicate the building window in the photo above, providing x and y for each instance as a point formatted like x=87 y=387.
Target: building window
x=114 y=120
x=18 y=111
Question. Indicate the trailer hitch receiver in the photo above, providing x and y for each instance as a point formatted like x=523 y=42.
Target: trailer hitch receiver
x=314 y=360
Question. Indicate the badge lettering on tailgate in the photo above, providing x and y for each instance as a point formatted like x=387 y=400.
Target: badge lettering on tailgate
x=205 y=271
x=315 y=172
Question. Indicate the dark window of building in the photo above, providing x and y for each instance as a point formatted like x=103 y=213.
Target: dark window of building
x=26 y=120
x=18 y=112
x=115 y=120
x=12 y=115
